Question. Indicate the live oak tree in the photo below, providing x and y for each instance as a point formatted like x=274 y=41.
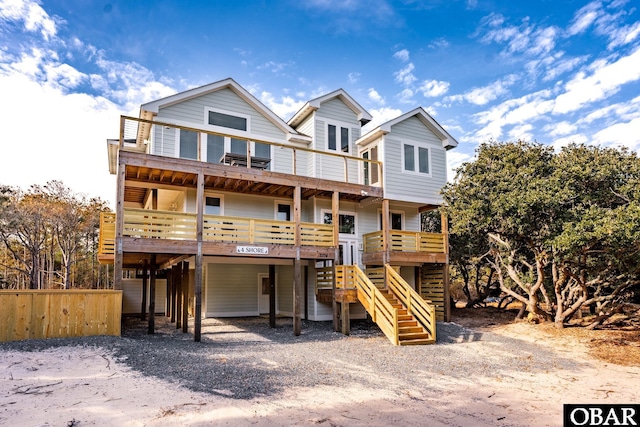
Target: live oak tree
x=562 y=229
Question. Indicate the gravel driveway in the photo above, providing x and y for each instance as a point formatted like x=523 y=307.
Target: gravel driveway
x=245 y=358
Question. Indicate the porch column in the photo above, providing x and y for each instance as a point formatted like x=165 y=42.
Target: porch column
x=170 y=279
x=145 y=282
x=152 y=294
x=335 y=212
x=445 y=273
x=118 y=256
x=297 y=275
x=174 y=287
x=385 y=231
x=272 y=295
x=197 y=321
x=185 y=297
x=178 y=293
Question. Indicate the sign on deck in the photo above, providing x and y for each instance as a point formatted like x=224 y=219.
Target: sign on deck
x=252 y=250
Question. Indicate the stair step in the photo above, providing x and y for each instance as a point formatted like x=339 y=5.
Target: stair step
x=413 y=336
x=417 y=342
x=407 y=323
x=406 y=330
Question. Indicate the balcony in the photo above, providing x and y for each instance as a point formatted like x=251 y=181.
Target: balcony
x=404 y=246
x=151 y=230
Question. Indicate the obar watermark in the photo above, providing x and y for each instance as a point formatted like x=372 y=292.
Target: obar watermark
x=601 y=415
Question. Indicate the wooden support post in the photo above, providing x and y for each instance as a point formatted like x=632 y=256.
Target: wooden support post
x=197 y=321
x=297 y=291
x=152 y=294
x=174 y=286
x=297 y=273
x=185 y=297
x=118 y=257
x=272 y=295
x=145 y=283
x=385 y=230
x=445 y=273
x=167 y=304
x=179 y=288
x=335 y=212
x=305 y=280
x=345 y=318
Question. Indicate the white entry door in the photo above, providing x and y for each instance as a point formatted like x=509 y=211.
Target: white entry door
x=348 y=252
x=263 y=293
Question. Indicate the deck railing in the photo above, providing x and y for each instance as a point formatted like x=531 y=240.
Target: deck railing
x=144 y=223
x=135 y=133
x=380 y=309
x=405 y=241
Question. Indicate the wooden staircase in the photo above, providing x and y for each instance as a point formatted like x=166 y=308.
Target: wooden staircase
x=410 y=332
x=400 y=312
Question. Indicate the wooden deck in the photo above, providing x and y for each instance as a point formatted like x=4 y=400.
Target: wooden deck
x=404 y=247
x=148 y=231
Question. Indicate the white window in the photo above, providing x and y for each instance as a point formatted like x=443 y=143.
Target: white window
x=283 y=211
x=396 y=220
x=346 y=221
x=370 y=170
x=338 y=138
x=213 y=204
x=416 y=158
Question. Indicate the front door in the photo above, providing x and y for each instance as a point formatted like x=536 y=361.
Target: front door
x=347 y=252
x=263 y=289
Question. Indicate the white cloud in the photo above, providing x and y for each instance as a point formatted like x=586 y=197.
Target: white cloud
x=284 y=107
x=584 y=17
x=483 y=95
x=522 y=132
x=31 y=14
x=577 y=138
x=455 y=159
x=67 y=143
x=406 y=96
x=620 y=134
x=402 y=55
x=525 y=38
x=433 y=88
x=606 y=79
x=353 y=77
x=624 y=35
x=405 y=76
x=380 y=116
x=440 y=43
x=375 y=96
x=560 y=128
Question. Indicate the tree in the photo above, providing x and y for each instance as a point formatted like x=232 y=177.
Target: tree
x=49 y=234
x=565 y=223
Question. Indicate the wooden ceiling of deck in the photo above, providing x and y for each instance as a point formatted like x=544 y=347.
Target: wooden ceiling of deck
x=144 y=176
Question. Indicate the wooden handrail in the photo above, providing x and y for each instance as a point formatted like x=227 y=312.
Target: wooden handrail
x=106 y=242
x=381 y=311
x=421 y=309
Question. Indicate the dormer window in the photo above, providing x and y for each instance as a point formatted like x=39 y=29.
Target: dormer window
x=338 y=138
x=227 y=120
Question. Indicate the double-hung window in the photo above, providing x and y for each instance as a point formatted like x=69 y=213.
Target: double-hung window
x=346 y=222
x=338 y=138
x=416 y=158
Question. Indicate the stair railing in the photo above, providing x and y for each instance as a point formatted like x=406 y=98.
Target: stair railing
x=421 y=309
x=381 y=311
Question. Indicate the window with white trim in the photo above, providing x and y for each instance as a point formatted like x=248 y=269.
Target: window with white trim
x=338 y=138
x=346 y=222
x=213 y=205
x=416 y=158
x=396 y=220
x=370 y=170
x=283 y=211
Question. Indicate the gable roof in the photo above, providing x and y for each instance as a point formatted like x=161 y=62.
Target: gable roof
x=448 y=141
x=363 y=115
x=148 y=110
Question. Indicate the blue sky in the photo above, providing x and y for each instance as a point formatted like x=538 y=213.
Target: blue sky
x=544 y=70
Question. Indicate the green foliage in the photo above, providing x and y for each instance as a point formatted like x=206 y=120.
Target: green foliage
x=577 y=210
